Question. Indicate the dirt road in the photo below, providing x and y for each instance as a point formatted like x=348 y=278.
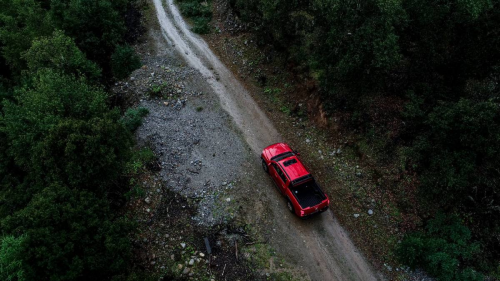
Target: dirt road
x=320 y=245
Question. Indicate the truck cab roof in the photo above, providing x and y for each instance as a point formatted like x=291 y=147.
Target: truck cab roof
x=293 y=168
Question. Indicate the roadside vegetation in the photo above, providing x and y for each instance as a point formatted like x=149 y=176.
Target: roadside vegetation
x=66 y=153
x=199 y=12
x=418 y=80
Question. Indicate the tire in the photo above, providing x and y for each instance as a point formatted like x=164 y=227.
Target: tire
x=289 y=206
x=264 y=166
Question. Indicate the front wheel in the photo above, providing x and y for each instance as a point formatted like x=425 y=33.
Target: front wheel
x=290 y=206
x=264 y=166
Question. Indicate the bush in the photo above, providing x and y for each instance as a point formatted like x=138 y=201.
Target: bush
x=200 y=12
x=133 y=118
x=123 y=61
x=201 y=25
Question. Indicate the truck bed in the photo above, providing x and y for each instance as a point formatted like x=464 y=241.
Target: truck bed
x=308 y=194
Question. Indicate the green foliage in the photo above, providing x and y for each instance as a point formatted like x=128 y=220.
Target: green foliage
x=61 y=130
x=60 y=53
x=123 y=61
x=69 y=235
x=441 y=58
x=464 y=140
x=20 y=23
x=97 y=26
x=444 y=250
x=133 y=118
x=11 y=263
x=201 y=25
x=200 y=11
x=63 y=152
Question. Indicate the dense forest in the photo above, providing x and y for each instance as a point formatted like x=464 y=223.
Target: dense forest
x=420 y=79
x=66 y=151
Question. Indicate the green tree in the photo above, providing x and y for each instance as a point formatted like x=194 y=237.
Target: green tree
x=123 y=61
x=11 y=263
x=68 y=235
x=60 y=53
x=97 y=26
x=60 y=129
x=20 y=23
x=444 y=249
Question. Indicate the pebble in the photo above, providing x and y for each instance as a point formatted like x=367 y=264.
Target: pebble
x=191 y=262
x=370 y=212
x=183 y=245
x=356 y=215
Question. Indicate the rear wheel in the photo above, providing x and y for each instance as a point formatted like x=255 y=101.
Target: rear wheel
x=264 y=166
x=290 y=206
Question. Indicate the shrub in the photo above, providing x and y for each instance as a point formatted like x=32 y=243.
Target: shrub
x=133 y=118
x=123 y=61
x=200 y=12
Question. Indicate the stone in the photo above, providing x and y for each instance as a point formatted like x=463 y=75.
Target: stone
x=147 y=200
x=370 y=212
x=180 y=266
x=202 y=255
x=356 y=215
x=191 y=262
x=183 y=245
x=186 y=270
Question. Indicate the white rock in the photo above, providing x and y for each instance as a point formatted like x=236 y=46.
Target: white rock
x=228 y=199
x=370 y=212
x=191 y=262
x=183 y=245
x=356 y=215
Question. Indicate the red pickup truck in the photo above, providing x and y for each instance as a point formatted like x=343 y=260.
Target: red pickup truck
x=304 y=195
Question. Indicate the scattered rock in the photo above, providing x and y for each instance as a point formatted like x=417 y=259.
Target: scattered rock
x=370 y=212
x=186 y=270
x=356 y=215
x=183 y=245
x=191 y=262
x=147 y=200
